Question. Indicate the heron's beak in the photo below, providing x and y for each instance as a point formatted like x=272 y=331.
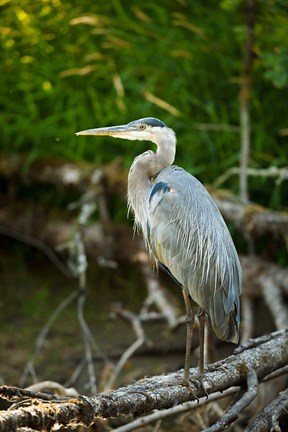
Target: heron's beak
x=114 y=131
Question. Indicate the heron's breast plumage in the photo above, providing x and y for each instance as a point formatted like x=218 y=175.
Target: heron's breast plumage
x=187 y=234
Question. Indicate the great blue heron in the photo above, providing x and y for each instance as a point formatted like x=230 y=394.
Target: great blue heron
x=183 y=231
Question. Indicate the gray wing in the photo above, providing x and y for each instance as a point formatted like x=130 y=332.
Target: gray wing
x=188 y=236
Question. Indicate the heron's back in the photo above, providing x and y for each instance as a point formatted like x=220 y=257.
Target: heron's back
x=188 y=235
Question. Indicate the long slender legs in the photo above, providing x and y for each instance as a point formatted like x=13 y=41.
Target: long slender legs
x=190 y=326
x=201 y=318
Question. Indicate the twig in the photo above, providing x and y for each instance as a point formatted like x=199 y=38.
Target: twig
x=245 y=99
x=275 y=302
x=252 y=343
x=176 y=410
x=52 y=387
x=268 y=417
x=31 y=241
x=86 y=339
x=232 y=413
x=255 y=268
x=276 y=373
x=80 y=267
x=75 y=373
x=14 y=393
x=29 y=368
x=281 y=174
x=156 y=294
x=140 y=339
x=218 y=410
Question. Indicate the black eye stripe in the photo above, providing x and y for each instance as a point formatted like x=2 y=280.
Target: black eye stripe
x=148 y=121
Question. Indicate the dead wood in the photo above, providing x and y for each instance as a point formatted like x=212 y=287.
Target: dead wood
x=49 y=231
x=262 y=355
x=60 y=173
x=252 y=219
x=268 y=419
x=256 y=269
x=111 y=179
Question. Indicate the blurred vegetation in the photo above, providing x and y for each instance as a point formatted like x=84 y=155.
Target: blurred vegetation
x=68 y=66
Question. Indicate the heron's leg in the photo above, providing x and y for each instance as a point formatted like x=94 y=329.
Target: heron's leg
x=201 y=318
x=190 y=326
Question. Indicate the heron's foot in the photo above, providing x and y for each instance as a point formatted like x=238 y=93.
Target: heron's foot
x=198 y=382
x=188 y=384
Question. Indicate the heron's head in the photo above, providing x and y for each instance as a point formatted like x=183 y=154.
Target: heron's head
x=145 y=129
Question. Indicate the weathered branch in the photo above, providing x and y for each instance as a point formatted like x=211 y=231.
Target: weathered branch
x=274 y=299
x=175 y=410
x=139 y=341
x=116 y=245
x=159 y=392
x=157 y=296
x=280 y=174
x=233 y=412
x=266 y=421
x=111 y=179
x=244 y=99
x=251 y=218
x=83 y=176
x=29 y=368
x=256 y=269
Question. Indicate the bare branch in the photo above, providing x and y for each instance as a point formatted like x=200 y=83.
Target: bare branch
x=156 y=294
x=280 y=174
x=233 y=412
x=176 y=410
x=245 y=92
x=52 y=387
x=79 y=264
x=38 y=244
x=265 y=421
x=255 y=269
x=275 y=302
x=29 y=368
x=140 y=339
x=159 y=392
x=251 y=218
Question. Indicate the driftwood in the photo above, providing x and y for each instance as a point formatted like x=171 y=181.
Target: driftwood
x=253 y=362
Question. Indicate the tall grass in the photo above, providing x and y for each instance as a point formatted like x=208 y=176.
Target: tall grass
x=67 y=66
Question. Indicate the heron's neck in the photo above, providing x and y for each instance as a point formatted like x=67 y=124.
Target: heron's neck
x=144 y=169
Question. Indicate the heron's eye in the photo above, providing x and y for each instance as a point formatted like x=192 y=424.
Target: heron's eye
x=142 y=126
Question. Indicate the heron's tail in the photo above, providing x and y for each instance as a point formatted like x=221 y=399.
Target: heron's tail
x=229 y=330
x=225 y=323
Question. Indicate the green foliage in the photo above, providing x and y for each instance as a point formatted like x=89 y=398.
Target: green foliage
x=68 y=66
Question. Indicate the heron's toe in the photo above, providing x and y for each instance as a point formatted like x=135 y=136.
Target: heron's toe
x=195 y=383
